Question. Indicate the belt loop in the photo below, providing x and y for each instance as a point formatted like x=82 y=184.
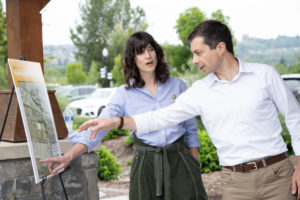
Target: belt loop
x=264 y=162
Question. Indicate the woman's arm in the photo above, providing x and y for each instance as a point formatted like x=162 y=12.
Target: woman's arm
x=64 y=160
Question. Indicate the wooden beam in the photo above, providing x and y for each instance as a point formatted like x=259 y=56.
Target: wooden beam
x=24 y=30
x=24 y=38
x=43 y=3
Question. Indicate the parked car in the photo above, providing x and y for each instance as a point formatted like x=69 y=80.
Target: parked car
x=75 y=92
x=293 y=82
x=93 y=105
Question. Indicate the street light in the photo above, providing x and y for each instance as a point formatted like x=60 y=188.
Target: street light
x=103 y=71
x=104 y=53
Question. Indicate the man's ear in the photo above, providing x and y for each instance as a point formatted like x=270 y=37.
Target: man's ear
x=221 y=48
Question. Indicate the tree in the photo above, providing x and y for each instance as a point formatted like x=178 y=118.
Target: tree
x=3 y=37
x=116 y=72
x=3 y=51
x=187 y=21
x=75 y=74
x=179 y=55
x=94 y=74
x=98 y=23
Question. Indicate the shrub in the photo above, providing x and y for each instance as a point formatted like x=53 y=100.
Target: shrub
x=286 y=136
x=114 y=133
x=129 y=141
x=128 y=162
x=77 y=121
x=207 y=153
x=108 y=167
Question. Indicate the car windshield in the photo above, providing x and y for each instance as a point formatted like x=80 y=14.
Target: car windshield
x=100 y=94
x=293 y=84
x=63 y=90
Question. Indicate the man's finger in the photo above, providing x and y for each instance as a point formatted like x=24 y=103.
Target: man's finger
x=94 y=136
x=294 y=186
x=95 y=130
x=87 y=124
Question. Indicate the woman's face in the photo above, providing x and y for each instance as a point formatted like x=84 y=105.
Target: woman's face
x=146 y=61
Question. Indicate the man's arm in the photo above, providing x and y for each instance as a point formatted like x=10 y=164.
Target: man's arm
x=185 y=107
x=96 y=125
x=296 y=179
x=63 y=161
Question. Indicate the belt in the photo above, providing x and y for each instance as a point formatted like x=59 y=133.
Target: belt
x=255 y=165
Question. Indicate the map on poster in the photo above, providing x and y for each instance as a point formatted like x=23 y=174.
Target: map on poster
x=36 y=114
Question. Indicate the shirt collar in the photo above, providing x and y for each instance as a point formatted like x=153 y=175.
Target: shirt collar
x=243 y=68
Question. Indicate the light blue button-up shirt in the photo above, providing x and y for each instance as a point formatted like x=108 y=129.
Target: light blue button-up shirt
x=139 y=100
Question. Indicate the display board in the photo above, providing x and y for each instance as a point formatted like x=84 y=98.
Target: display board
x=36 y=114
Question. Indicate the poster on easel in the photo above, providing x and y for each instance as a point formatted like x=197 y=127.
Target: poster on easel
x=36 y=114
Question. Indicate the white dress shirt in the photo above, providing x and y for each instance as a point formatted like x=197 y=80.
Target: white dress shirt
x=240 y=116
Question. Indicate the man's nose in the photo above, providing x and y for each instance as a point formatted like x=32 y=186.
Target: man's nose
x=194 y=60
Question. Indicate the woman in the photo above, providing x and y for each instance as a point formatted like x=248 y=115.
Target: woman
x=162 y=167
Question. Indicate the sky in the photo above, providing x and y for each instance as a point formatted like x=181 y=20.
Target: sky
x=255 y=18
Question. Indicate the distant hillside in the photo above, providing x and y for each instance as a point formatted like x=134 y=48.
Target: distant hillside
x=282 y=50
x=61 y=55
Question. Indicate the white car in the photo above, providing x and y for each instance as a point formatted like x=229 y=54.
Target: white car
x=75 y=92
x=293 y=82
x=93 y=105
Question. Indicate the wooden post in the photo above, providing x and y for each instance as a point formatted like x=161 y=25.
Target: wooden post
x=24 y=38
x=24 y=30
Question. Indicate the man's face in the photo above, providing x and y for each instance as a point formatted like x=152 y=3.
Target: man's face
x=205 y=59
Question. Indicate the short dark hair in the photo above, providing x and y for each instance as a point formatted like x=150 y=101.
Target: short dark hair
x=136 y=44
x=213 y=32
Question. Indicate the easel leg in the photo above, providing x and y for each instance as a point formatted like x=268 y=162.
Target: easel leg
x=6 y=115
x=42 y=186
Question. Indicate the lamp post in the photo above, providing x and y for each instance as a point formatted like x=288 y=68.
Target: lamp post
x=103 y=70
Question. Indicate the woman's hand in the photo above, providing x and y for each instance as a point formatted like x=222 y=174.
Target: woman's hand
x=99 y=124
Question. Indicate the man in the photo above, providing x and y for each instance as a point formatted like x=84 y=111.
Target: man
x=238 y=103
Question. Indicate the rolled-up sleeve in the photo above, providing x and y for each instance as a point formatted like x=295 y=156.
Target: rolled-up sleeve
x=114 y=108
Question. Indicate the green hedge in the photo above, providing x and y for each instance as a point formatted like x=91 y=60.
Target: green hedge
x=286 y=136
x=114 y=133
x=108 y=167
x=129 y=141
x=207 y=153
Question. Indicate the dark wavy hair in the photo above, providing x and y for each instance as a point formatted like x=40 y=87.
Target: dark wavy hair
x=136 y=44
x=213 y=32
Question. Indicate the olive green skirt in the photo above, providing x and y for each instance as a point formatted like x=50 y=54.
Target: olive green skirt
x=166 y=173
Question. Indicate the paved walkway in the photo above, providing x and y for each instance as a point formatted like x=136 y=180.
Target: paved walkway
x=104 y=191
